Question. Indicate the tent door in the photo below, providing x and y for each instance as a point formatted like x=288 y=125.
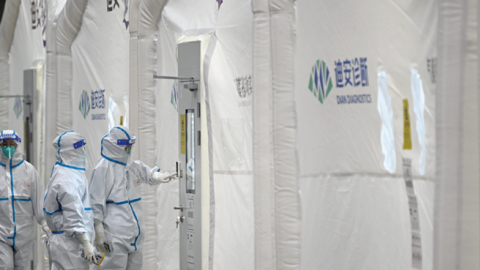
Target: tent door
x=190 y=215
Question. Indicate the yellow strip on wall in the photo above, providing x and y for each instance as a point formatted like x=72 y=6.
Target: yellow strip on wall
x=407 y=136
x=182 y=135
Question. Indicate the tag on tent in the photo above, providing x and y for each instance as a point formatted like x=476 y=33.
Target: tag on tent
x=407 y=137
x=414 y=215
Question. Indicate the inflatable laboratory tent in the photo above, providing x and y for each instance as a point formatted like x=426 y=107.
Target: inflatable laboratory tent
x=344 y=134
x=457 y=237
x=319 y=127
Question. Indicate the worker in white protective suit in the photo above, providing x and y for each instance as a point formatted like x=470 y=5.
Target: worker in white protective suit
x=115 y=197
x=67 y=206
x=21 y=194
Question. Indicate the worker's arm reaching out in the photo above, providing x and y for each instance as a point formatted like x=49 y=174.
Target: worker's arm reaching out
x=147 y=175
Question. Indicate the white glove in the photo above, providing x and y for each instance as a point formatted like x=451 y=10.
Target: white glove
x=45 y=228
x=163 y=177
x=100 y=239
x=88 y=249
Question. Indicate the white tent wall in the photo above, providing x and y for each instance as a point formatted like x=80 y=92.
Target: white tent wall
x=26 y=52
x=53 y=10
x=7 y=30
x=457 y=205
x=229 y=90
x=133 y=75
x=277 y=202
x=332 y=164
x=68 y=24
x=353 y=136
x=148 y=17
x=50 y=105
x=265 y=255
x=100 y=85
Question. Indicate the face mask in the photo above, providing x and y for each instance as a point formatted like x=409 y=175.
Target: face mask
x=129 y=152
x=86 y=161
x=8 y=151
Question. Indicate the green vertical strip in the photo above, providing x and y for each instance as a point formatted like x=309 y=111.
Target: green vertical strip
x=323 y=68
x=310 y=85
x=329 y=88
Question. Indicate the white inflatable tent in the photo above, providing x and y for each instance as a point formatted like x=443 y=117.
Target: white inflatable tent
x=457 y=200
x=321 y=117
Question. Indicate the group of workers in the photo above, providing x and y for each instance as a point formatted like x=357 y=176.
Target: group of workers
x=71 y=211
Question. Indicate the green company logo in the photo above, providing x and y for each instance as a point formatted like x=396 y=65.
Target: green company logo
x=17 y=108
x=84 y=105
x=320 y=81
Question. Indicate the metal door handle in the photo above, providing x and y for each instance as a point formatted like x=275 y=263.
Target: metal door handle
x=180 y=219
x=178 y=208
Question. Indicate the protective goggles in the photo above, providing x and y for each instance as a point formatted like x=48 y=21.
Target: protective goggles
x=11 y=136
x=126 y=141
x=79 y=144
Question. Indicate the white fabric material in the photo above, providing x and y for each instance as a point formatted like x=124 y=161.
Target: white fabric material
x=69 y=23
x=355 y=213
x=64 y=253
x=263 y=139
x=21 y=197
x=7 y=30
x=54 y=9
x=133 y=73
x=17 y=258
x=419 y=109
x=229 y=102
x=386 y=113
x=99 y=93
x=149 y=13
x=457 y=194
x=286 y=192
x=116 y=200
x=67 y=204
x=278 y=209
x=27 y=51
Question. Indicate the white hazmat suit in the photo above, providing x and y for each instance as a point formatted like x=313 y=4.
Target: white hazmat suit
x=67 y=204
x=115 y=197
x=21 y=193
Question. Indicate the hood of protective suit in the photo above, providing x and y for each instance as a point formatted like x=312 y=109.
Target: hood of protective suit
x=70 y=149
x=18 y=155
x=114 y=143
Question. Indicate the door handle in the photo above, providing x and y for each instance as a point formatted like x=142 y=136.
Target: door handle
x=180 y=219
x=178 y=208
